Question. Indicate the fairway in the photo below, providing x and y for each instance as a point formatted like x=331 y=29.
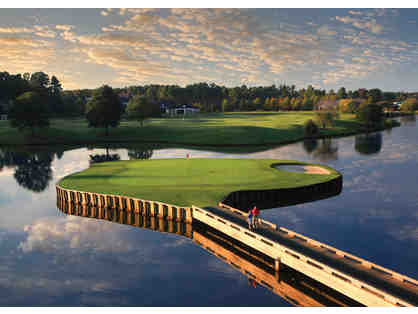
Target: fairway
x=220 y=129
x=186 y=182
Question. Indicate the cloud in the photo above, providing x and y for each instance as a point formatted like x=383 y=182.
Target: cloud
x=44 y=31
x=230 y=45
x=14 y=30
x=369 y=25
x=70 y=232
x=325 y=31
x=22 y=42
x=64 y=27
x=356 y=12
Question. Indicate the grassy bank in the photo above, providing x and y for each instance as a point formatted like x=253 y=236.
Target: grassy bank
x=187 y=182
x=207 y=129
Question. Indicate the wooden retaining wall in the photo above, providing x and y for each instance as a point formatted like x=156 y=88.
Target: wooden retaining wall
x=124 y=203
x=264 y=199
x=127 y=218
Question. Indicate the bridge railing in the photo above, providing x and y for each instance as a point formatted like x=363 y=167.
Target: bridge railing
x=283 y=253
x=244 y=214
x=350 y=257
x=333 y=250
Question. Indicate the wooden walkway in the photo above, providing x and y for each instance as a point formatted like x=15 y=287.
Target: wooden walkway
x=365 y=282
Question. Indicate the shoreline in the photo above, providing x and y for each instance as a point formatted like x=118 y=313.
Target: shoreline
x=280 y=143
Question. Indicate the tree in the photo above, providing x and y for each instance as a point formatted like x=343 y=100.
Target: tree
x=55 y=99
x=139 y=108
x=347 y=105
x=375 y=94
x=104 y=110
x=341 y=93
x=225 y=105
x=39 y=81
x=29 y=111
x=311 y=129
x=370 y=114
x=257 y=103
x=307 y=103
x=409 y=105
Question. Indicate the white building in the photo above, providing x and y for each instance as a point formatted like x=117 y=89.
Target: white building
x=182 y=110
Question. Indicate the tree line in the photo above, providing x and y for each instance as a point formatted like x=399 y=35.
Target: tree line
x=31 y=99
x=215 y=98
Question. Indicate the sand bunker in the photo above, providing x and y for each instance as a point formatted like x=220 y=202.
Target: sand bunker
x=316 y=170
x=303 y=169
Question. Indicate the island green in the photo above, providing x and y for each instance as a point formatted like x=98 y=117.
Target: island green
x=186 y=182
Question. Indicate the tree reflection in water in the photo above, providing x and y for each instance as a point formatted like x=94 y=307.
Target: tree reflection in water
x=409 y=120
x=327 y=150
x=104 y=157
x=140 y=152
x=367 y=144
x=32 y=168
x=309 y=145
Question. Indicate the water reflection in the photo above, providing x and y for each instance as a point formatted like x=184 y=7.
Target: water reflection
x=291 y=285
x=409 y=120
x=141 y=152
x=369 y=143
x=45 y=255
x=32 y=168
x=310 y=145
x=326 y=151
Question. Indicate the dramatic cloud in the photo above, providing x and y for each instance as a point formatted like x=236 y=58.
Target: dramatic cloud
x=225 y=46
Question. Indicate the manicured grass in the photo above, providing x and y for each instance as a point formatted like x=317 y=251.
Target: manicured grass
x=205 y=129
x=186 y=182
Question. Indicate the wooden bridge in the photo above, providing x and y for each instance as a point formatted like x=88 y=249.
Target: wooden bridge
x=360 y=280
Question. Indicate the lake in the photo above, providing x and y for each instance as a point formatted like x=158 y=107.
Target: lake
x=49 y=258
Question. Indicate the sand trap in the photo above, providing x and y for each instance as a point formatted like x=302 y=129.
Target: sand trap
x=316 y=170
x=303 y=169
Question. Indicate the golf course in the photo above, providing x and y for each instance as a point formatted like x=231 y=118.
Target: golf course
x=186 y=182
x=215 y=129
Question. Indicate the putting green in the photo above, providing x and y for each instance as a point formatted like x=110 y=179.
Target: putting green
x=186 y=182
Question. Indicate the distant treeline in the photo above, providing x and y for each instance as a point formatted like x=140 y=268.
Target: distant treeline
x=215 y=98
x=208 y=97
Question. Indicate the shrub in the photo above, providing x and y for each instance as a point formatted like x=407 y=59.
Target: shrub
x=311 y=128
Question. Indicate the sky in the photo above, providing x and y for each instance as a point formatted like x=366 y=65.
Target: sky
x=327 y=48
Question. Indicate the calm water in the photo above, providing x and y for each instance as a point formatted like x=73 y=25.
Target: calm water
x=48 y=258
